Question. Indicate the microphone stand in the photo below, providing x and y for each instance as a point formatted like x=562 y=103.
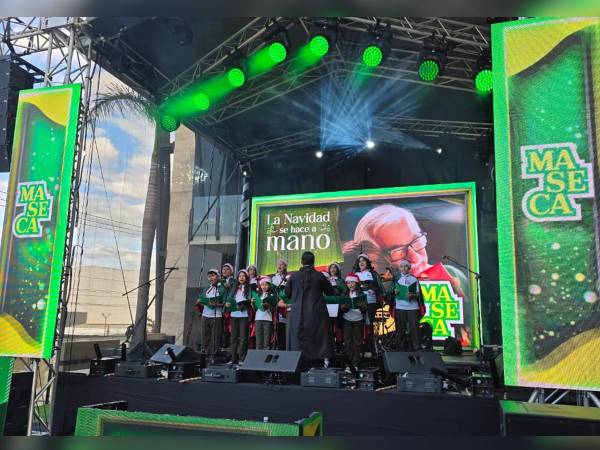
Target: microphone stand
x=142 y=347
x=478 y=278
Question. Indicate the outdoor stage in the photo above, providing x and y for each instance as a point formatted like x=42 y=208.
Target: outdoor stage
x=346 y=412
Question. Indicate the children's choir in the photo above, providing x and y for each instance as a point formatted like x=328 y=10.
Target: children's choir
x=252 y=306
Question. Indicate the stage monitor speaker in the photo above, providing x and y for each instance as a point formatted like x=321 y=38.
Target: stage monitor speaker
x=180 y=353
x=536 y=419
x=12 y=80
x=272 y=361
x=17 y=410
x=412 y=362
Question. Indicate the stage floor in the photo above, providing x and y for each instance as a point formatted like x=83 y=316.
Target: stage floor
x=346 y=412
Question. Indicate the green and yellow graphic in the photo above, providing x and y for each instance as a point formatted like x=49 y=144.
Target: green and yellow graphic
x=6 y=371
x=444 y=308
x=35 y=224
x=546 y=120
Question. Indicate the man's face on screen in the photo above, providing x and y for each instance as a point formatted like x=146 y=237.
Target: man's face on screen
x=404 y=239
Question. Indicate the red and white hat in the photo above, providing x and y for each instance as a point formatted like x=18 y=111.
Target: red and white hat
x=264 y=279
x=352 y=277
x=244 y=271
x=363 y=255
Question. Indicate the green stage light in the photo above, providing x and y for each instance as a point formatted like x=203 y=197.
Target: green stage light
x=484 y=81
x=169 y=123
x=372 y=56
x=236 y=77
x=319 y=45
x=429 y=70
x=277 y=52
x=201 y=101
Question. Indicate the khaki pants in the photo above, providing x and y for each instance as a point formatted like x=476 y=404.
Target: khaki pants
x=263 y=330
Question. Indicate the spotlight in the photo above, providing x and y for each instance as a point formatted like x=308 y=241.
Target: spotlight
x=246 y=169
x=319 y=154
x=236 y=77
x=324 y=35
x=168 y=122
x=433 y=57
x=277 y=41
x=370 y=144
x=378 y=46
x=277 y=52
x=439 y=150
x=483 y=76
x=201 y=101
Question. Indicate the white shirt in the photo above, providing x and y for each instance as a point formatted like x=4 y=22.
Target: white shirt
x=353 y=315
x=366 y=275
x=263 y=315
x=405 y=304
x=209 y=312
x=239 y=297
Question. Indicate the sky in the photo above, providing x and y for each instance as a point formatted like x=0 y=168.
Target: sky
x=125 y=147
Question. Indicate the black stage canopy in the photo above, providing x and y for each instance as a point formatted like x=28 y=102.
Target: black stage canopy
x=275 y=111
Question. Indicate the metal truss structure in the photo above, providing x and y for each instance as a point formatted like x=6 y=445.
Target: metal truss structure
x=393 y=124
x=584 y=398
x=408 y=36
x=68 y=59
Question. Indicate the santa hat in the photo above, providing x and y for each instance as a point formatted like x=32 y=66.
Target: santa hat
x=244 y=271
x=228 y=265
x=363 y=255
x=264 y=279
x=352 y=277
x=215 y=271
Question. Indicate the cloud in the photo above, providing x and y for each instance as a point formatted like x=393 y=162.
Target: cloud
x=108 y=152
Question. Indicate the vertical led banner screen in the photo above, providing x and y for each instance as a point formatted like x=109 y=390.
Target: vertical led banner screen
x=417 y=223
x=546 y=120
x=35 y=222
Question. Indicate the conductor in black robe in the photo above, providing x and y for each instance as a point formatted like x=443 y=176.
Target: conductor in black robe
x=309 y=330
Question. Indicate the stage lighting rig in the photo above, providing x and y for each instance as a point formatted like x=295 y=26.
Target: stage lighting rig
x=323 y=36
x=433 y=57
x=168 y=122
x=378 y=45
x=246 y=169
x=277 y=41
x=237 y=73
x=483 y=76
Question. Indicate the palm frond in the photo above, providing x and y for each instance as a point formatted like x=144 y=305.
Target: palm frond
x=122 y=100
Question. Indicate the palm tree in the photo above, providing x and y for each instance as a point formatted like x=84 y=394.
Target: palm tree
x=121 y=99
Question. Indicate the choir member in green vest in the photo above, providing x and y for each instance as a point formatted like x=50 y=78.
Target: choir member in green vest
x=211 y=323
x=265 y=304
x=353 y=307
x=406 y=294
